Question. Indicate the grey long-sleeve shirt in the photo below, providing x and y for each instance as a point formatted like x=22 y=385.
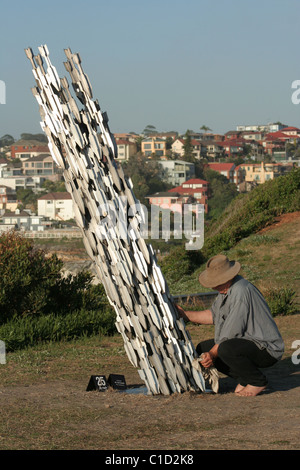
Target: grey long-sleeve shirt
x=244 y=313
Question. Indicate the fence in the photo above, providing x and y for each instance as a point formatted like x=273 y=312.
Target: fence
x=202 y=299
x=53 y=234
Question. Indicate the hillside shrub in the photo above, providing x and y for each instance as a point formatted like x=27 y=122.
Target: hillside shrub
x=281 y=301
x=38 y=304
x=23 y=332
x=180 y=262
x=32 y=283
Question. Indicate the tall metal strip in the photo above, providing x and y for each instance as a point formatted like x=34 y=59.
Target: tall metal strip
x=110 y=219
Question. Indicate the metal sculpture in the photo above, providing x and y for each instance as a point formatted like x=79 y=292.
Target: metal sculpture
x=80 y=142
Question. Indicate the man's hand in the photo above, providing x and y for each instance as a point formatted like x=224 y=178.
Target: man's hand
x=206 y=359
x=180 y=311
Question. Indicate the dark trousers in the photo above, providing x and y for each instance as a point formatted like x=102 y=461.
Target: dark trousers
x=241 y=359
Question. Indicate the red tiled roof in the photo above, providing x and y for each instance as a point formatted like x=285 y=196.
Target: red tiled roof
x=290 y=128
x=220 y=166
x=277 y=136
x=195 y=181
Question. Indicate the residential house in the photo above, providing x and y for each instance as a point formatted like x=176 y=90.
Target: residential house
x=126 y=148
x=42 y=165
x=232 y=135
x=30 y=173
x=260 y=173
x=291 y=131
x=24 y=182
x=22 y=220
x=8 y=198
x=176 y=172
x=214 y=149
x=225 y=169
x=10 y=169
x=125 y=136
x=199 y=149
x=194 y=190
x=56 y=206
x=232 y=147
x=166 y=200
x=3 y=163
x=154 y=146
x=272 y=127
x=256 y=136
x=24 y=149
x=275 y=142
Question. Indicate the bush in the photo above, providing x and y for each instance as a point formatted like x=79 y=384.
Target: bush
x=180 y=262
x=20 y=333
x=281 y=301
x=32 y=283
x=38 y=304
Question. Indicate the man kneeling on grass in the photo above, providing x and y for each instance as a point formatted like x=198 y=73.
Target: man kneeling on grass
x=246 y=336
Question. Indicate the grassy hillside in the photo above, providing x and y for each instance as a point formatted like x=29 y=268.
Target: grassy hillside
x=251 y=212
x=247 y=231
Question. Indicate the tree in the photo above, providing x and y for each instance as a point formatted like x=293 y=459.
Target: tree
x=54 y=186
x=6 y=140
x=205 y=128
x=39 y=137
x=145 y=176
x=221 y=192
x=27 y=197
x=188 y=155
x=149 y=130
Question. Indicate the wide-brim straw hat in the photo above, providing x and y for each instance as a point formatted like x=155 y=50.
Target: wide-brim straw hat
x=219 y=270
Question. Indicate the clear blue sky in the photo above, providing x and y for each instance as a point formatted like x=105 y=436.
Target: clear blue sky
x=174 y=64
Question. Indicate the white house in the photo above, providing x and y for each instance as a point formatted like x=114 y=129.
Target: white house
x=56 y=206
x=178 y=147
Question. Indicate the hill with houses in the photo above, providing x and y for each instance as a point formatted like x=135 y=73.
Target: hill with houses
x=240 y=159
